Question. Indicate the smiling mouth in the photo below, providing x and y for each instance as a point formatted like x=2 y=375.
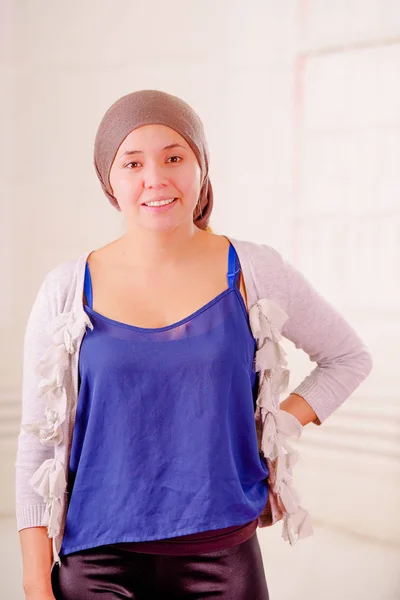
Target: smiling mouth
x=160 y=203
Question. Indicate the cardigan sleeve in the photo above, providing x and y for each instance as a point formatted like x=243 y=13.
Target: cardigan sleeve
x=31 y=453
x=316 y=327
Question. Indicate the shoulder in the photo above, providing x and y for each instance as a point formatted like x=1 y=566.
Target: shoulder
x=62 y=282
x=264 y=271
x=258 y=254
x=64 y=272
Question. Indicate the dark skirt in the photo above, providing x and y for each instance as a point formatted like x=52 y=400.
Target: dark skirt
x=109 y=572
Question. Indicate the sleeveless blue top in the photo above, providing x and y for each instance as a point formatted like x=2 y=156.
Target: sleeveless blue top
x=164 y=442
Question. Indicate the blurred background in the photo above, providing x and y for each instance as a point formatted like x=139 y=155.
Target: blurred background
x=300 y=100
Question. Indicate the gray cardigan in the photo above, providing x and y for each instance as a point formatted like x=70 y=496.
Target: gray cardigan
x=282 y=302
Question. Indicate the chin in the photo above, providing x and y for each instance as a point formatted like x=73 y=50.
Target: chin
x=161 y=226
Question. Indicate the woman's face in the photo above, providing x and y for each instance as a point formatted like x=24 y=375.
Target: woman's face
x=155 y=163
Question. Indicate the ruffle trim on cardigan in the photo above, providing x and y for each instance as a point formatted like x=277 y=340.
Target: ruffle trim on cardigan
x=49 y=479
x=274 y=425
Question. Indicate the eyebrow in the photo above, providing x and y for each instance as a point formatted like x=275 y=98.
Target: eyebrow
x=129 y=152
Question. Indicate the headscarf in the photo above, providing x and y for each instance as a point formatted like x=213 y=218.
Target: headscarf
x=146 y=107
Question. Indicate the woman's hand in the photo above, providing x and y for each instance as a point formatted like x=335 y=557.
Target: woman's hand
x=299 y=408
x=39 y=591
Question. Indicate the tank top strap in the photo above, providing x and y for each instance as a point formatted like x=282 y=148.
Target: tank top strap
x=233 y=268
x=232 y=275
x=87 y=286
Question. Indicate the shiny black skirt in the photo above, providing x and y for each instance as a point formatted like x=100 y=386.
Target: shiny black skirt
x=109 y=572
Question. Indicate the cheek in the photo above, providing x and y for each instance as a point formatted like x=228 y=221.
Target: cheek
x=190 y=179
x=122 y=184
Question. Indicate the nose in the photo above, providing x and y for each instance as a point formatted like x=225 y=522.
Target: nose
x=154 y=178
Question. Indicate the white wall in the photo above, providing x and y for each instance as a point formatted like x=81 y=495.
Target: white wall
x=300 y=102
x=346 y=237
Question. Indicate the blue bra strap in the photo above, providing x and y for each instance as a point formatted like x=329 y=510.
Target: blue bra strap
x=87 y=286
x=233 y=267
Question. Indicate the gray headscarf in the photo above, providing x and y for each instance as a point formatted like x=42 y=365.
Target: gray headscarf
x=146 y=107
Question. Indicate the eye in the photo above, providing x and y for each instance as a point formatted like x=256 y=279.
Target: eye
x=137 y=163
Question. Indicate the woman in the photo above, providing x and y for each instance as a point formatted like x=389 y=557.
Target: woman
x=152 y=440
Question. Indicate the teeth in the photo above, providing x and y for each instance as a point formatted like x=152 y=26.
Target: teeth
x=160 y=203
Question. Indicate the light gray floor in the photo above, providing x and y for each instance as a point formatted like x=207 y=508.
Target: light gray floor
x=328 y=566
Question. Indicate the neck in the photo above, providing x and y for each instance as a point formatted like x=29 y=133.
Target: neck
x=147 y=249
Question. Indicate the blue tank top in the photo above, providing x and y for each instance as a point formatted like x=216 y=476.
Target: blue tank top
x=164 y=441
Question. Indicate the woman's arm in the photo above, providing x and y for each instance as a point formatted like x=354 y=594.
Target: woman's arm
x=37 y=559
x=36 y=546
x=343 y=360
x=316 y=327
